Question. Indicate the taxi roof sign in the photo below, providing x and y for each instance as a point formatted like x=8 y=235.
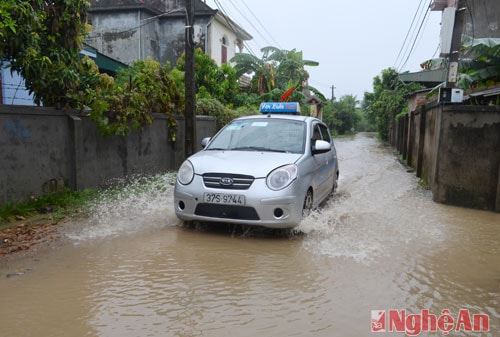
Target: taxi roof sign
x=280 y=107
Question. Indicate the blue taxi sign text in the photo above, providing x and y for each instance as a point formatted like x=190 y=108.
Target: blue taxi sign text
x=280 y=107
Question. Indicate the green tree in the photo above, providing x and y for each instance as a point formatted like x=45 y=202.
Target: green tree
x=261 y=69
x=368 y=118
x=275 y=72
x=212 y=81
x=290 y=66
x=140 y=90
x=214 y=108
x=343 y=115
x=42 y=40
x=479 y=65
x=387 y=100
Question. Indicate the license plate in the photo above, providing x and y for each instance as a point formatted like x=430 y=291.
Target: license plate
x=225 y=199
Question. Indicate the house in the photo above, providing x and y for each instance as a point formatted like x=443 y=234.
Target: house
x=476 y=23
x=12 y=88
x=14 y=92
x=129 y=30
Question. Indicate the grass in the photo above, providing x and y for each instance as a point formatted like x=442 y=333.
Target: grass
x=54 y=206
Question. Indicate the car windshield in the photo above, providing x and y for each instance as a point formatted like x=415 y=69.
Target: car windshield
x=266 y=134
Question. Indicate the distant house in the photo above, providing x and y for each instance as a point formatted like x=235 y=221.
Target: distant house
x=12 y=88
x=480 y=21
x=14 y=92
x=130 y=30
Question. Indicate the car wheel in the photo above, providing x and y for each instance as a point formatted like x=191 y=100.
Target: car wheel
x=335 y=183
x=308 y=203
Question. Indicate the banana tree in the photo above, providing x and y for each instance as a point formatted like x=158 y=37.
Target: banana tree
x=291 y=66
x=261 y=69
x=479 y=65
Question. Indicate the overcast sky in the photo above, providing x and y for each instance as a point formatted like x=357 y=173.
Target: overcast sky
x=353 y=41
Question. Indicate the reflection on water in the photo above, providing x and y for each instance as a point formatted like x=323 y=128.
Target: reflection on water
x=379 y=243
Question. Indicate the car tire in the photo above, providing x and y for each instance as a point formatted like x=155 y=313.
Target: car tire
x=308 y=203
x=335 y=183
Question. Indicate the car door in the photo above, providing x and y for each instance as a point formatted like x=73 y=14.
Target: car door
x=323 y=175
x=332 y=157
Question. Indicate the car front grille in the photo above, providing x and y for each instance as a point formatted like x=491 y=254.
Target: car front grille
x=226 y=211
x=227 y=181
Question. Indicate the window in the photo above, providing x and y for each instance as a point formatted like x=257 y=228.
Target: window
x=325 y=134
x=223 y=51
x=320 y=132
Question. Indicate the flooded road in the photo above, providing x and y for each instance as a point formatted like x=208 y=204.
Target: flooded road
x=379 y=243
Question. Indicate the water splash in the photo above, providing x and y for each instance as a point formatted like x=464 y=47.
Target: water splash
x=334 y=231
x=141 y=203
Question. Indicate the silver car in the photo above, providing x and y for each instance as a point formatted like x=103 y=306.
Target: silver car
x=262 y=170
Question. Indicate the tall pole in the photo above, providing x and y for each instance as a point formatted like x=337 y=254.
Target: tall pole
x=333 y=92
x=189 y=83
x=456 y=42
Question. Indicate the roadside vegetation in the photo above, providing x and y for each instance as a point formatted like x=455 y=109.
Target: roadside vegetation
x=42 y=40
x=387 y=101
x=52 y=207
x=44 y=43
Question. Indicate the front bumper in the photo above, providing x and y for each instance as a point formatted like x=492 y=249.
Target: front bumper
x=263 y=207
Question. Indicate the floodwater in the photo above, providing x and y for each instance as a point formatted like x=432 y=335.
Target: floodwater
x=379 y=243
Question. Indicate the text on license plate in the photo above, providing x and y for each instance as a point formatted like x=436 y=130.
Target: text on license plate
x=222 y=198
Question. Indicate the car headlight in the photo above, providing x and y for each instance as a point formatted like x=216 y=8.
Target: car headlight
x=282 y=177
x=186 y=173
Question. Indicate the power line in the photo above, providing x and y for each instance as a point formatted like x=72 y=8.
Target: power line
x=230 y=25
x=408 y=50
x=417 y=36
x=219 y=4
x=408 y=32
x=261 y=25
x=228 y=21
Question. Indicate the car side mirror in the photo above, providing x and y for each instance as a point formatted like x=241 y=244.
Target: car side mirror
x=205 y=141
x=320 y=146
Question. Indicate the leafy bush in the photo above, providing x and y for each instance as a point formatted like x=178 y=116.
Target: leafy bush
x=214 y=108
x=141 y=90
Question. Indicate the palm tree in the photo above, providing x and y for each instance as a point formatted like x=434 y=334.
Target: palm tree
x=278 y=68
x=262 y=70
x=291 y=67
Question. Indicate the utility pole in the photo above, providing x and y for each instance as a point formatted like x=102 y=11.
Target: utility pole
x=189 y=83
x=333 y=92
x=456 y=42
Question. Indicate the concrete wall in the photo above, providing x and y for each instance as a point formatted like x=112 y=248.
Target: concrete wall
x=125 y=35
x=133 y=31
x=43 y=148
x=482 y=19
x=468 y=157
x=456 y=150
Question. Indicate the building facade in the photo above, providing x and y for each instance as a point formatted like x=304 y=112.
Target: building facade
x=130 y=30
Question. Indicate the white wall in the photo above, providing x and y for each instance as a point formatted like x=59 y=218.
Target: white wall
x=217 y=32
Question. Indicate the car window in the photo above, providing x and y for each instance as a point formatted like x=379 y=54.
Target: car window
x=277 y=135
x=325 y=134
x=320 y=132
x=316 y=133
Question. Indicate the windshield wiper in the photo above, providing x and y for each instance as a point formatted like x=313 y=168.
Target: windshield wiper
x=216 y=149
x=255 y=148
